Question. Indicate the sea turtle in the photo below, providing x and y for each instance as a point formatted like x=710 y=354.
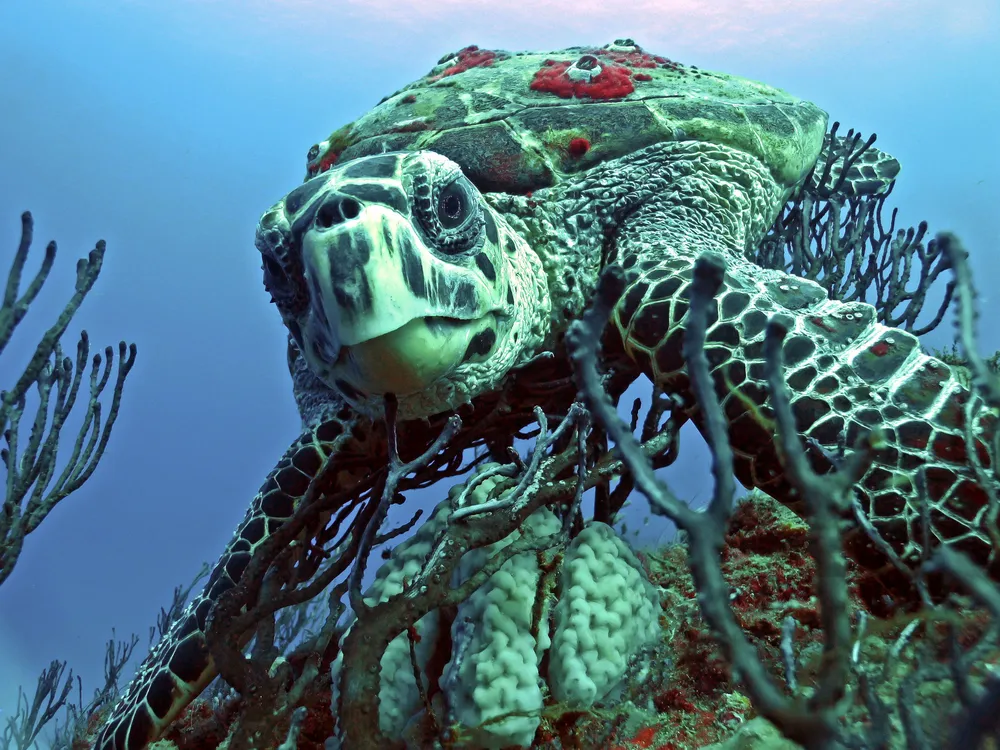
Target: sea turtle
x=447 y=237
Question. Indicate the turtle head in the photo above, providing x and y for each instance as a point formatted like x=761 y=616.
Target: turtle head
x=393 y=275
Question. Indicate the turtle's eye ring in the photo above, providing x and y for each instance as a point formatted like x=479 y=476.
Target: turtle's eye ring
x=453 y=205
x=449 y=214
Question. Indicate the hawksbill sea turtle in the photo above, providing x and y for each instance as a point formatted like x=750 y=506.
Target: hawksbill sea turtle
x=447 y=238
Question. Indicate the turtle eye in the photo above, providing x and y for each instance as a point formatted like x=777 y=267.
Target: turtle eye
x=453 y=205
x=448 y=213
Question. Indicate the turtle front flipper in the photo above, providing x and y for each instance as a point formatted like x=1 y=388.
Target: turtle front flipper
x=848 y=166
x=180 y=666
x=847 y=373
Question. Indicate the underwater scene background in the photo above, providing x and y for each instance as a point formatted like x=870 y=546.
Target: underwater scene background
x=167 y=130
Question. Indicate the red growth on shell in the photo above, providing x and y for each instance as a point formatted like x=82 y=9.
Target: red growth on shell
x=469 y=57
x=578 y=147
x=636 y=59
x=880 y=349
x=612 y=82
x=323 y=163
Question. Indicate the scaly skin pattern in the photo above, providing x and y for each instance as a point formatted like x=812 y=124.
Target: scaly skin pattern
x=846 y=372
x=644 y=163
x=180 y=666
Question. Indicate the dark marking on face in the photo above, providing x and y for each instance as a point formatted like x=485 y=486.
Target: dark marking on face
x=347 y=259
x=316 y=296
x=510 y=296
x=413 y=269
x=371 y=192
x=463 y=297
x=302 y=222
x=351 y=251
x=491 y=227
x=382 y=166
x=481 y=344
x=366 y=300
x=486 y=266
x=160 y=695
x=342 y=299
x=190 y=659
x=322 y=348
x=347 y=389
x=385 y=233
x=296 y=199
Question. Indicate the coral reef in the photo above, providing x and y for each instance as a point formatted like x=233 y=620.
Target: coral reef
x=511 y=617
x=36 y=477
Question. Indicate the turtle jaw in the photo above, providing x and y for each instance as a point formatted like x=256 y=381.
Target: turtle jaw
x=385 y=314
x=409 y=359
x=395 y=276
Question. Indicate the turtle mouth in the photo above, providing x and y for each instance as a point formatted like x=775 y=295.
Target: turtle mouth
x=411 y=357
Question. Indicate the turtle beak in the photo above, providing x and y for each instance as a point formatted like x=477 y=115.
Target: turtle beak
x=376 y=320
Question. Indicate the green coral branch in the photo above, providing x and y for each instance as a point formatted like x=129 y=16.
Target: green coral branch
x=813 y=722
x=965 y=318
x=843 y=243
x=23 y=728
x=30 y=492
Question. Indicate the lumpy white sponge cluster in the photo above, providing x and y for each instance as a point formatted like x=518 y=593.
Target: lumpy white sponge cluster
x=497 y=674
x=605 y=614
x=606 y=606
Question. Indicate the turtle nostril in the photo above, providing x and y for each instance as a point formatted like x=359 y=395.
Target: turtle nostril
x=335 y=210
x=349 y=208
x=328 y=215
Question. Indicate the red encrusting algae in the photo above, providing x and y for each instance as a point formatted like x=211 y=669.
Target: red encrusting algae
x=578 y=147
x=613 y=82
x=466 y=58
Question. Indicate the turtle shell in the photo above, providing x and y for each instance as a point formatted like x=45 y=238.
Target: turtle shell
x=517 y=122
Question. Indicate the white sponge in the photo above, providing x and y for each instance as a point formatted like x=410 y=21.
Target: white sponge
x=607 y=611
x=498 y=672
